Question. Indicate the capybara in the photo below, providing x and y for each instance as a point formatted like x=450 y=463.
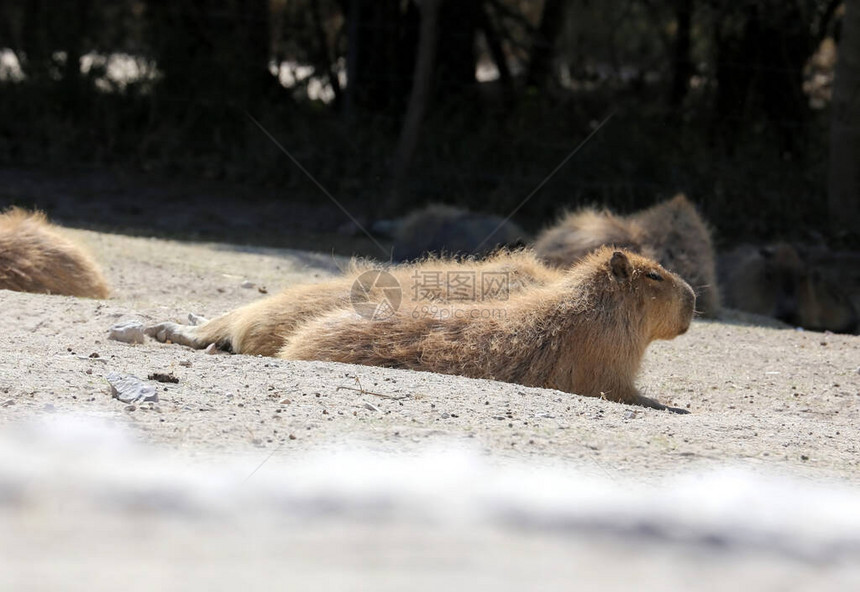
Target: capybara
x=672 y=232
x=261 y=327
x=36 y=257
x=777 y=281
x=584 y=332
x=839 y=271
x=450 y=231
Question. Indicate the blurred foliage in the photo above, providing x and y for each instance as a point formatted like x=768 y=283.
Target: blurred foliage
x=708 y=97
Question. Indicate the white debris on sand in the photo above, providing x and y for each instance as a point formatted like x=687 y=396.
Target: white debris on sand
x=130 y=389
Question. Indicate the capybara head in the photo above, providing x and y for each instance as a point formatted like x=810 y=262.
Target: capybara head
x=654 y=301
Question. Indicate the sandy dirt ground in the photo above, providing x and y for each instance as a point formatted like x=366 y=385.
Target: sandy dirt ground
x=772 y=403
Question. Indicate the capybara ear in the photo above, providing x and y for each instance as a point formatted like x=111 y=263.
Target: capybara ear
x=620 y=265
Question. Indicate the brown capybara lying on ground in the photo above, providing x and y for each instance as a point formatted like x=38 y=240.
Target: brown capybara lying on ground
x=776 y=281
x=584 y=332
x=671 y=232
x=36 y=257
x=449 y=231
x=261 y=327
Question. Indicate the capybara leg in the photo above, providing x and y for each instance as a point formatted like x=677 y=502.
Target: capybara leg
x=176 y=333
x=200 y=334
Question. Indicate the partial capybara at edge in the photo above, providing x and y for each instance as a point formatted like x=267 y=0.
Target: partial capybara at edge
x=261 y=328
x=36 y=257
x=672 y=233
x=447 y=230
x=837 y=275
x=585 y=332
x=777 y=281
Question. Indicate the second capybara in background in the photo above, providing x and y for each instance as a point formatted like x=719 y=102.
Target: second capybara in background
x=839 y=271
x=261 y=328
x=585 y=332
x=450 y=231
x=671 y=232
x=777 y=281
x=36 y=257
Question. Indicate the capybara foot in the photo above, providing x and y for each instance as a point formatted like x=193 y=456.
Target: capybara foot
x=196 y=320
x=175 y=333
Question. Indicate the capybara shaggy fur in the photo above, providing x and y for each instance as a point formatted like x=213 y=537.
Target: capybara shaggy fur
x=777 y=281
x=261 y=327
x=446 y=230
x=36 y=257
x=584 y=332
x=671 y=232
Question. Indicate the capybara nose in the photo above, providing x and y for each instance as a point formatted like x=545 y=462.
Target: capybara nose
x=688 y=300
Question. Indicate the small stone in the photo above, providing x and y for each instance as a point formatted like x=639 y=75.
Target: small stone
x=163 y=377
x=128 y=332
x=248 y=285
x=130 y=389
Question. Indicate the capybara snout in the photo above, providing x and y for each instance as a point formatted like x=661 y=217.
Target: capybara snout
x=688 y=306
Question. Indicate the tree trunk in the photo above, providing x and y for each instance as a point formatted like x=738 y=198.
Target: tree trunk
x=422 y=87
x=455 y=50
x=682 y=66
x=214 y=50
x=759 y=74
x=325 y=61
x=381 y=45
x=844 y=182
x=543 y=46
x=497 y=51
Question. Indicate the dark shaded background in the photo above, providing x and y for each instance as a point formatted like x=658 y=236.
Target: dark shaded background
x=733 y=102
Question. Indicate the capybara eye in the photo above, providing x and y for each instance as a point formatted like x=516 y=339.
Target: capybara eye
x=653 y=275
